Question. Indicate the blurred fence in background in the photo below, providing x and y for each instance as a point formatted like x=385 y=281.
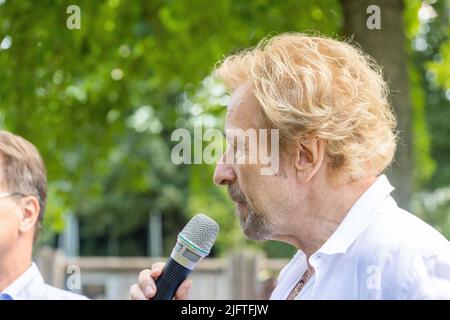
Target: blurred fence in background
x=239 y=275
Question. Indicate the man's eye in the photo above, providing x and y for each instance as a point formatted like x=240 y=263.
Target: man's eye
x=233 y=147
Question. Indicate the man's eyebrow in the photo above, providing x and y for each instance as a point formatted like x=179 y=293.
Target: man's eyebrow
x=224 y=132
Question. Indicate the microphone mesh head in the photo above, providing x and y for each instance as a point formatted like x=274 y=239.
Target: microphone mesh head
x=202 y=231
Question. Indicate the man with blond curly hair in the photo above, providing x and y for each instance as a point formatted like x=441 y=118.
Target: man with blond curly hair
x=329 y=198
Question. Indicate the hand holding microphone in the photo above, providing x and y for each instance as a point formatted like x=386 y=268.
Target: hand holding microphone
x=168 y=281
x=145 y=289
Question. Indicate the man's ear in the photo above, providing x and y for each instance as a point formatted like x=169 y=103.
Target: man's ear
x=309 y=157
x=30 y=214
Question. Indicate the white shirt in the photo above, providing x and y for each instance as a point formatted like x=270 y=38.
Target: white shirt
x=30 y=286
x=379 y=251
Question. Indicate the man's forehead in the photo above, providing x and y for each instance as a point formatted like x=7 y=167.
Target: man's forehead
x=242 y=92
x=244 y=110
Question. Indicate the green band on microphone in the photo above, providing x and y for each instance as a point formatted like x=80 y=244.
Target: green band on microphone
x=191 y=244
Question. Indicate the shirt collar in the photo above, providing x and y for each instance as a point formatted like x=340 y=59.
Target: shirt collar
x=358 y=218
x=29 y=285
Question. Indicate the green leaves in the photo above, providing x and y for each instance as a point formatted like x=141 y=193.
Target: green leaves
x=100 y=103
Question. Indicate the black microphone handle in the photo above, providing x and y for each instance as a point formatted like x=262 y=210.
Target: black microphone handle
x=170 y=279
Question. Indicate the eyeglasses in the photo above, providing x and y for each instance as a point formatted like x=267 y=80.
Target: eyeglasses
x=11 y=194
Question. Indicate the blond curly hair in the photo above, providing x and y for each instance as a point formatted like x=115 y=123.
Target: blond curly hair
x=314 y=85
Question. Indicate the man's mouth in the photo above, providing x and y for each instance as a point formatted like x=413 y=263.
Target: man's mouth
x=241 y=206
x=236 y=195
x=239 y=202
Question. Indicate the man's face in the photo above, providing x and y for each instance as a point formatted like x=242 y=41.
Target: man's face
x=260 y=199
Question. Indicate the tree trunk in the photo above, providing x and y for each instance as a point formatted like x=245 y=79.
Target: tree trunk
x=387 y=46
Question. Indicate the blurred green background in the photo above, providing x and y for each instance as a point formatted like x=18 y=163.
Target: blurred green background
x=101 y=102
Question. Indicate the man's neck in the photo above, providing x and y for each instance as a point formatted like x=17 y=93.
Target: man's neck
x=13 y=264
x=327 y=210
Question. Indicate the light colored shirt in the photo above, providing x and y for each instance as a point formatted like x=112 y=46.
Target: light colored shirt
x=379 y=251
x=31 y=286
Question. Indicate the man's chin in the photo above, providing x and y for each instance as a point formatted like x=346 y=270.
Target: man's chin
x=252 y=235
x=250 y=230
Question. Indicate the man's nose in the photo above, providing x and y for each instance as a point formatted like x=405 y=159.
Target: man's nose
x=224 y=174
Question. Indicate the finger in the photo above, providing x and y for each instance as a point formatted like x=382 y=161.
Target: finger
x=156 y=269
x=136 y=293
x=146 y=283
x=184 y=290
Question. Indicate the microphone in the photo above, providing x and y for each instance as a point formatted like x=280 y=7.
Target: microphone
x=194 y=243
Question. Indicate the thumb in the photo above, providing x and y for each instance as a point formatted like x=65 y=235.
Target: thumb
x=184 y=290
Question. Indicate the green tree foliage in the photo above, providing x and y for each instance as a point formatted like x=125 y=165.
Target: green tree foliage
x=428 y=31
x=101 y=103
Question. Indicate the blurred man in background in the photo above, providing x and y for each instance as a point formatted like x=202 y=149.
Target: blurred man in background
x=329 y=198
x=23 y=189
